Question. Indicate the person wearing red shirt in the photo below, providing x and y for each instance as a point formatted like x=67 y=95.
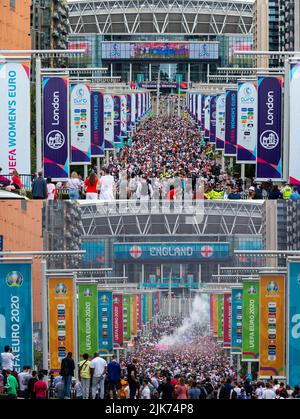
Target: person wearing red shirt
x=91 y=187
x=16 y=183
x=40 y=388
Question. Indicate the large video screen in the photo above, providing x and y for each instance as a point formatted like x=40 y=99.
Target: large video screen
x=160 y=51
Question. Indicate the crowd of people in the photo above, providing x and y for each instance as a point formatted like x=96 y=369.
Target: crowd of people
x=196 y=367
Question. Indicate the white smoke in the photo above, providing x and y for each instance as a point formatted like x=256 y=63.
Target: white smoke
x=199 y=317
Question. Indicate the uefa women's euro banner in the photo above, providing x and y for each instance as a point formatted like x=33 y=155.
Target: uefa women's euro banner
x=212 y=134
x=123 y=115
x=61 y=320
x=56 y=127
x=247 y=122
x=272 y=326
x=80 y=110
x=128 y=113
x=199 y=108
x=87 y=319
x=133 y=110
x=15 y=118
x=220 y=122
x=269 y=138
x=250 y=321
x=117 y=119
x=207 y=117
x=230 y=148
x=97 y=125
x=294 y=144
x=105 y=322
x=16 y=312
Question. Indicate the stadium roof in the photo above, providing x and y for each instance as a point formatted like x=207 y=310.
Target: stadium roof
x=161 y=17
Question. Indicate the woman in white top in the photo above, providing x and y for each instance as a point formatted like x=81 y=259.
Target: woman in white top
x=107 y=187
x=74 y=185
x=51 y=188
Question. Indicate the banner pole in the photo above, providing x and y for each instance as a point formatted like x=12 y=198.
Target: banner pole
x=44 y=314
x=38 y=105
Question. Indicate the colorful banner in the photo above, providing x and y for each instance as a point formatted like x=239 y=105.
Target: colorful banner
x=144 y=308
x=128 y=113
x=139 y=106
x=123 y=116
x=230 y=149
x=294 y=115
x=139 y=311
x=199 y=108
x=87 y=319
x=202 y=112
x=61 y=320
x=118 y=337
x=293 y=321
x=220 y=317
x=207 y=117
x=220 y=121
x=149 y=306
x=16 y=312
x=272 y=326
x=133 y=315
x=211 y=314
x=117 y=119
x=215 y=316
x=212 y=133
x=15 y=118
x=108 y=121
x=105 y=322
x=250 y=321
x=97 y=127
x=80 y=123
x=236 y=320
x=56 y=127
x=247 y=122
x=133 y=111
x=227 y=321
x=269 y=153
x=127 y=317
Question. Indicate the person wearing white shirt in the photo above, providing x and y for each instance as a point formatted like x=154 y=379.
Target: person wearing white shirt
x=146 y=391
x=6 y=359
x=268 y=394
x=98 y=369
x=259 y=391
x=50 y=190
x=107 y=186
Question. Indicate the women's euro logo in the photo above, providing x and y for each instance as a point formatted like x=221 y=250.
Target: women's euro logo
x=14 y=279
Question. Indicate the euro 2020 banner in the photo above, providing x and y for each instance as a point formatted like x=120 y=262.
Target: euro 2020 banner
x=88 y=319
x=250 y=321
x=56 y=127
x=236 y=320
x=220 y=317
x=118 y=338
x=227 y=321
x=247 y=122
x=269 y=138
x=80 y=123
x=220 y=122
x=15 y=118
x=16 y=312
x=108 y=121
x=272 y=326
x=127 y=317
x=105 y=322
x=293 y=321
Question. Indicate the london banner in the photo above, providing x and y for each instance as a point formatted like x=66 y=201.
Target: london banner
x=105 y=322
x=16 y=312
x=87 y=319
x=80 y=123
x=250 y=321
x=61 y=320
x=230 y=148
x=236 y=318
x=108 y=121
x=247 y=122
x=294 y=144
x=227 y=321
x=269 y=143
x=15 y=117
x=118 y=339
x=220 y=122
x=272 y=326
x=293 y=322
x=97 y=125
x=56 y=127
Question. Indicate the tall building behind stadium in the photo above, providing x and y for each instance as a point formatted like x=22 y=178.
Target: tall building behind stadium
x=176 y=40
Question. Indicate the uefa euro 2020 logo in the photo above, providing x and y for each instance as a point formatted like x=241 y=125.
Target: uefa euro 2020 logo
x=88 y=293
x=272 y=288
x=14 y=279
x=252 y=290
x=61 y=289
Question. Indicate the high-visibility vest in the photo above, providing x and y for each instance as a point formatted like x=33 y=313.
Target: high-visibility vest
x=287 y=192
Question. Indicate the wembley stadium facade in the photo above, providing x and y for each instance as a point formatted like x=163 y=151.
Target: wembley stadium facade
x=181 y=40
